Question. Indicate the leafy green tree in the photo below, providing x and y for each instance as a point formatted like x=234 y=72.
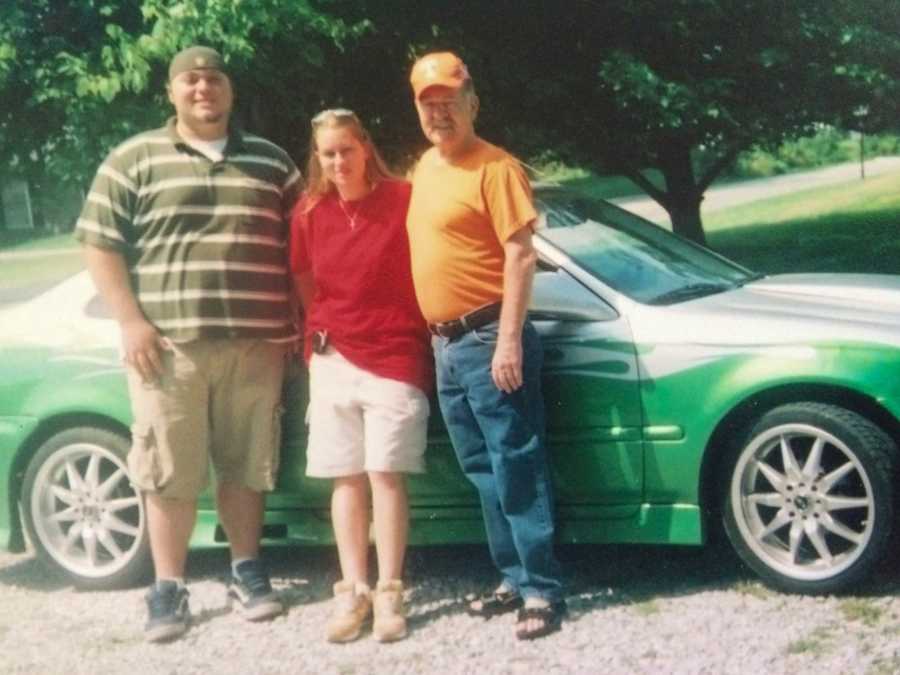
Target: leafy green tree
x=77 y=76
x=680 y=86
x=55 y=118
x=621 y=86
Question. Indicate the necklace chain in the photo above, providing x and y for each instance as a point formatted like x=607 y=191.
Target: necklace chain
x=351 y=218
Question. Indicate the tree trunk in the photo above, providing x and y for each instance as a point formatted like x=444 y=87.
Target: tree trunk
x=683 y=194
x=686 y=221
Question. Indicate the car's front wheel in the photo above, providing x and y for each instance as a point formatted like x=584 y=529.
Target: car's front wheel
x=809 y=498
x=81 y=512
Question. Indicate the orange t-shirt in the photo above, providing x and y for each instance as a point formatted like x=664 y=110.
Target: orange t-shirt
x=460 y=215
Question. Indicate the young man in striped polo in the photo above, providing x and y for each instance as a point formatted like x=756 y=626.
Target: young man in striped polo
x=184 y=236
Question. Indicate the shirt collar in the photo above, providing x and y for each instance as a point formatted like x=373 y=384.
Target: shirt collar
x=235 y=137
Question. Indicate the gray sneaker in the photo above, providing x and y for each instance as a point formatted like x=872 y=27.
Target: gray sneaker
x=168 y=611
x=250 y=586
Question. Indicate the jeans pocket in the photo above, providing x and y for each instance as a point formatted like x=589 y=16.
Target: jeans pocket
x=487 y=334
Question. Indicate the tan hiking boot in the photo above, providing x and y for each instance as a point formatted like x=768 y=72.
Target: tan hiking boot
x=352 y=605
x=390 y=617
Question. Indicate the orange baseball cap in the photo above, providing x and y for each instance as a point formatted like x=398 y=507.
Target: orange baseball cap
x=443 y=69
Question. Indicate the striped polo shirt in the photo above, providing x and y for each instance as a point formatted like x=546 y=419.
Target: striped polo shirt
x=204 y=240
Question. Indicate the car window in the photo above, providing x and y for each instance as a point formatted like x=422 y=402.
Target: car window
x=632 y=255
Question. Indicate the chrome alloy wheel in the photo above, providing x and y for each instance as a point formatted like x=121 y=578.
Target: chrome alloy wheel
x=802 y=501
x=85 y=512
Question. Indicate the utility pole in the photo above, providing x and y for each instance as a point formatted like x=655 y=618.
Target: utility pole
x=862 y=155
x=860 y=114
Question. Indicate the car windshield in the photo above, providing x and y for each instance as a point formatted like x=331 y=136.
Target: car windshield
x=631 y=255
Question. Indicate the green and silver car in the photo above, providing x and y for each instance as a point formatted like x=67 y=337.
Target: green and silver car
x=684 y=393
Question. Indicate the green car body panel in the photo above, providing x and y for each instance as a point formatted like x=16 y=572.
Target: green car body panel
x=596 y=449
x=627 y=454
x=600 y=460
x=674 y=465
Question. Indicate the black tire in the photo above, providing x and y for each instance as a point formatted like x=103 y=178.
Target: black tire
x=818 y=524
x=81 y=512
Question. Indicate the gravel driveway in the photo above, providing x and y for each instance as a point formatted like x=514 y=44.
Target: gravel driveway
x=633 y=610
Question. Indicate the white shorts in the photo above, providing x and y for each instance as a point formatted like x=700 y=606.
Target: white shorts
x=361 y=422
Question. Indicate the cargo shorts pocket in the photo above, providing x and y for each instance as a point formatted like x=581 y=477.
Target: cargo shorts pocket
x=144 y=462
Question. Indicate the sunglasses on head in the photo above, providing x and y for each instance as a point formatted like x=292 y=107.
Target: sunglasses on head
x=332 y=112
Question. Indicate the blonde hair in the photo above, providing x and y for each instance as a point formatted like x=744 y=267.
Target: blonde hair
x=317 y=186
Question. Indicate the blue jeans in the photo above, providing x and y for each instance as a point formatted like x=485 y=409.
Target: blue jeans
x=499 y=441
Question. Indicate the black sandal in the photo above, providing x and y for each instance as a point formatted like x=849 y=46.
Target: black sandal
x=494 y=603
x=551 y=616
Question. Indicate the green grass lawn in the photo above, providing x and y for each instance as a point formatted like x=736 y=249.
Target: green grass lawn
x=850 y=227
x=607 y=187
x=24 y=272
x=62 y=259
x=597 y=187
x=23 y=240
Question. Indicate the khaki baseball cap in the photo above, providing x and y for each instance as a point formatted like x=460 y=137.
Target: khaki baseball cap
x=444 y=69
x=195 y=58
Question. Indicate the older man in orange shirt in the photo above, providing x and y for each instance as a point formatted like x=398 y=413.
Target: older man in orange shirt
x=470 y=226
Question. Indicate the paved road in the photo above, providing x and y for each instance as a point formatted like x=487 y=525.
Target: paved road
x=764 y=188
x=9 y=296
x=36 y=253
x=15 y=294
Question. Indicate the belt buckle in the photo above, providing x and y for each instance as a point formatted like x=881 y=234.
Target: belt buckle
x=452 y=329
x=319 y=341
x=440 y=329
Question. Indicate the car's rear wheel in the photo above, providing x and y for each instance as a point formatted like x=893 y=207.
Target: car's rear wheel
x=81 y=512
x=809 y=498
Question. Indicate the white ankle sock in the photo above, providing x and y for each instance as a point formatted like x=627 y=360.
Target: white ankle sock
x=236 y=562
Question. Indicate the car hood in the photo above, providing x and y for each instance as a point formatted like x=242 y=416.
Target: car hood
x=783 y=309
x=62 y=317
x=878 y=292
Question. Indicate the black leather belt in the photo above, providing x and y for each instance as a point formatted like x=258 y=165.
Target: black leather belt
x=467 y=322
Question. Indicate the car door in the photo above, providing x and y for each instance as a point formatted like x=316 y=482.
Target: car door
x=591 y=393
x=442 y=485
x=592 y=402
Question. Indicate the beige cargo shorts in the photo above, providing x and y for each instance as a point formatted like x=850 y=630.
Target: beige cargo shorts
x=218 y=401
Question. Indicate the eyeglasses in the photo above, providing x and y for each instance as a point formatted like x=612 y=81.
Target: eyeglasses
x=330 y=113
x=432 y=106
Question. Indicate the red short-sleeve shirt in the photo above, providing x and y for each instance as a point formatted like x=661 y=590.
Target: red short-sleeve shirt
x=364 y=293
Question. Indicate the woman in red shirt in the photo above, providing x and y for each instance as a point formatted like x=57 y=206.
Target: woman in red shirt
x=369 y=358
